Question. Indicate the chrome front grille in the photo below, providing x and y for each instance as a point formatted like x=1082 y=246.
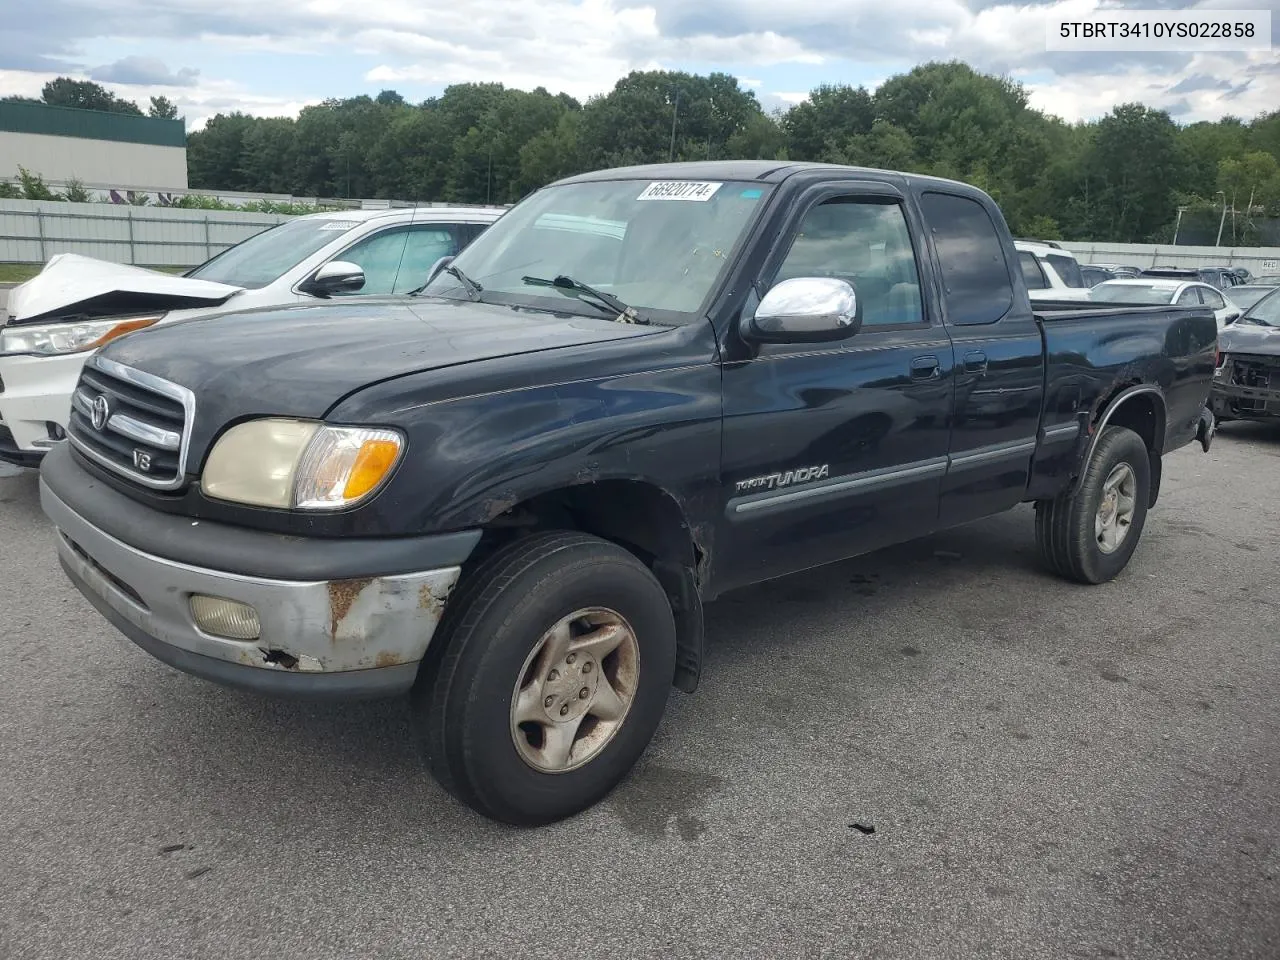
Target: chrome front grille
x=133 y=423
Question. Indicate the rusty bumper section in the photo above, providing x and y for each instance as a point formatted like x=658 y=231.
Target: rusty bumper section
x=1247 y=387
x=359 y=637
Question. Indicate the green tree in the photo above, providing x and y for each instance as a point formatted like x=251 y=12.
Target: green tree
x=85 y=95
x=214 y=154
x=75 y=192
x=34 y=187
x=821 y=127
x=1134 y=167
x=162 y=108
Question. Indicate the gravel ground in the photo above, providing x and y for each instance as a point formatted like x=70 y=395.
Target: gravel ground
x=1050 y=771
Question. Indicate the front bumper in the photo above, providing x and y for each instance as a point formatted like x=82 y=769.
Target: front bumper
x=342 y=637
x=1238 y=402
x=36 y=392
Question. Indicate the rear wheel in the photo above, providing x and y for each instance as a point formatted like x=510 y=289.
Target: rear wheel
x=557 y=658
x=1091 y=536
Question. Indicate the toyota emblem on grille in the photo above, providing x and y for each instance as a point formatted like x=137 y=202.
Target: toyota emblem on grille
x=100 y=411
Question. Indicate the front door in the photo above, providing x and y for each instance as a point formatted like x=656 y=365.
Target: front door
x=834 y=449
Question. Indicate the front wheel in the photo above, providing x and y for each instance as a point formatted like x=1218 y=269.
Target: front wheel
x=1091 y=536
x=558 y=656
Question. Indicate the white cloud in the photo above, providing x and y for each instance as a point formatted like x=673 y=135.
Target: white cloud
x=583 y=46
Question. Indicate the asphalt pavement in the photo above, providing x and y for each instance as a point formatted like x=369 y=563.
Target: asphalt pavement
x=936 y=751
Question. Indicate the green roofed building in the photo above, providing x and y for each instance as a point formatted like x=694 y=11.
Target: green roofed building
x=105 y=150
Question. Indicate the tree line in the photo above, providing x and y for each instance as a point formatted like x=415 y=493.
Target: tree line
x=1121 y=178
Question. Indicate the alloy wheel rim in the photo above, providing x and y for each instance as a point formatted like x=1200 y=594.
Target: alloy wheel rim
x=575 y=689
x=1116 y=509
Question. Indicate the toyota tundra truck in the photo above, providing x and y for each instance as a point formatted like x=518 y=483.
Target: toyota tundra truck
x=512 y=495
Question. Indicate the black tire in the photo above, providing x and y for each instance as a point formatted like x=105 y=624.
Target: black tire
x=462 y=700
x=1065 y=526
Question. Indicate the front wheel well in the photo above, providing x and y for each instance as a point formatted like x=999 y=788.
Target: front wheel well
x=638 y=516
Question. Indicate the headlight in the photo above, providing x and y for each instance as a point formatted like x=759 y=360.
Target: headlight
x=55 y=338
x=299 y=464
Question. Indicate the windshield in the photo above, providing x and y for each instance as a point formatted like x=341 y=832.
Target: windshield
x=1246 y=297
x=1146 y=293
x=659 y=247
x=1266 y=311
x=267 y=256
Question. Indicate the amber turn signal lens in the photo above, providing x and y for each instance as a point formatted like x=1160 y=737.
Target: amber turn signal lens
x=373 y=461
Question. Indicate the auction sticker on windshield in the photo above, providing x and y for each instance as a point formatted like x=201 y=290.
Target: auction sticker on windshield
x=699 y=190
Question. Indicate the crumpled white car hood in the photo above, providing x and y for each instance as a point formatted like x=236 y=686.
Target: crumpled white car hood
x=69 y=280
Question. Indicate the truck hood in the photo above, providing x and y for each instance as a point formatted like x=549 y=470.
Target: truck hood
x=299 y=361
x=72 y=287
x=1250 y=338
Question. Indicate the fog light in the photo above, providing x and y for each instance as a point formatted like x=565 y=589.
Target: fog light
x=225 y=618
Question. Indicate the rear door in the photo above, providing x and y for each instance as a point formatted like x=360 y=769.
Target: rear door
x=999 y=375
x=834 y=449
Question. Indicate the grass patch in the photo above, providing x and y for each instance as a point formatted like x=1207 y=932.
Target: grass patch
x=18 y=272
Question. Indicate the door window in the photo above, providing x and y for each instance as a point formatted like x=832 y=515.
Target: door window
x=1031 y=271
x=977 y=283
x=1213 y=298
x=397 y=260
x=867 y=244
x=1189 y=297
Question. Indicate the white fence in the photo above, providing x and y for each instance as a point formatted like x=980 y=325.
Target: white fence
x=31 y=231
x=1257 y=260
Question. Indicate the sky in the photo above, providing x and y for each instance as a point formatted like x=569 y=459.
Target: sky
x=272 y=59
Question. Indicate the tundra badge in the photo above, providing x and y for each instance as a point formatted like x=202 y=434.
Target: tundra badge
x=774 y=480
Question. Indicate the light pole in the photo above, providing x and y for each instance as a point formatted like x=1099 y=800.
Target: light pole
x=675 y=112
x=1223 y=222
x=1176 y=224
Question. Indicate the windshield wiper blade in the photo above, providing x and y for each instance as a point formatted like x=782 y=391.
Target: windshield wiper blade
x=473 y=289
x=604 y=300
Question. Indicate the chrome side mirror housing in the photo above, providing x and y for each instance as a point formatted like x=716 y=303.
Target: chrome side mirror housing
x=336 y=276
x=806 y=310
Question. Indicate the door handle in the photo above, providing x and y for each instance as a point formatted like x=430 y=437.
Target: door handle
x=925 y=368
x=975 y=361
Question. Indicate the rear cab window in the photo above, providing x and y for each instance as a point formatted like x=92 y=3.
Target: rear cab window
x=977 y=284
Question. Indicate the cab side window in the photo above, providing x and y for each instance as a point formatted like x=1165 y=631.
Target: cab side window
x=867 y=244
x=1031 y=271
x=977 y=283
x=397 y=260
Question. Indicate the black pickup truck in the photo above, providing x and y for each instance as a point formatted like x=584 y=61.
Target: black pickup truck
x=512 y=495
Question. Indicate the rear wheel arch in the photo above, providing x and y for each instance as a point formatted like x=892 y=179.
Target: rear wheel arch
x=1139 y=407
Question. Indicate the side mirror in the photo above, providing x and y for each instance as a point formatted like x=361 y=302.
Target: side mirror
x=336 y=276
x=1231 y=317
x=806 y=310
x=436 y=269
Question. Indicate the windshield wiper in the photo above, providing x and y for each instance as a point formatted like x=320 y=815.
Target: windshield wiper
x=606 y=301
x=473 y=289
